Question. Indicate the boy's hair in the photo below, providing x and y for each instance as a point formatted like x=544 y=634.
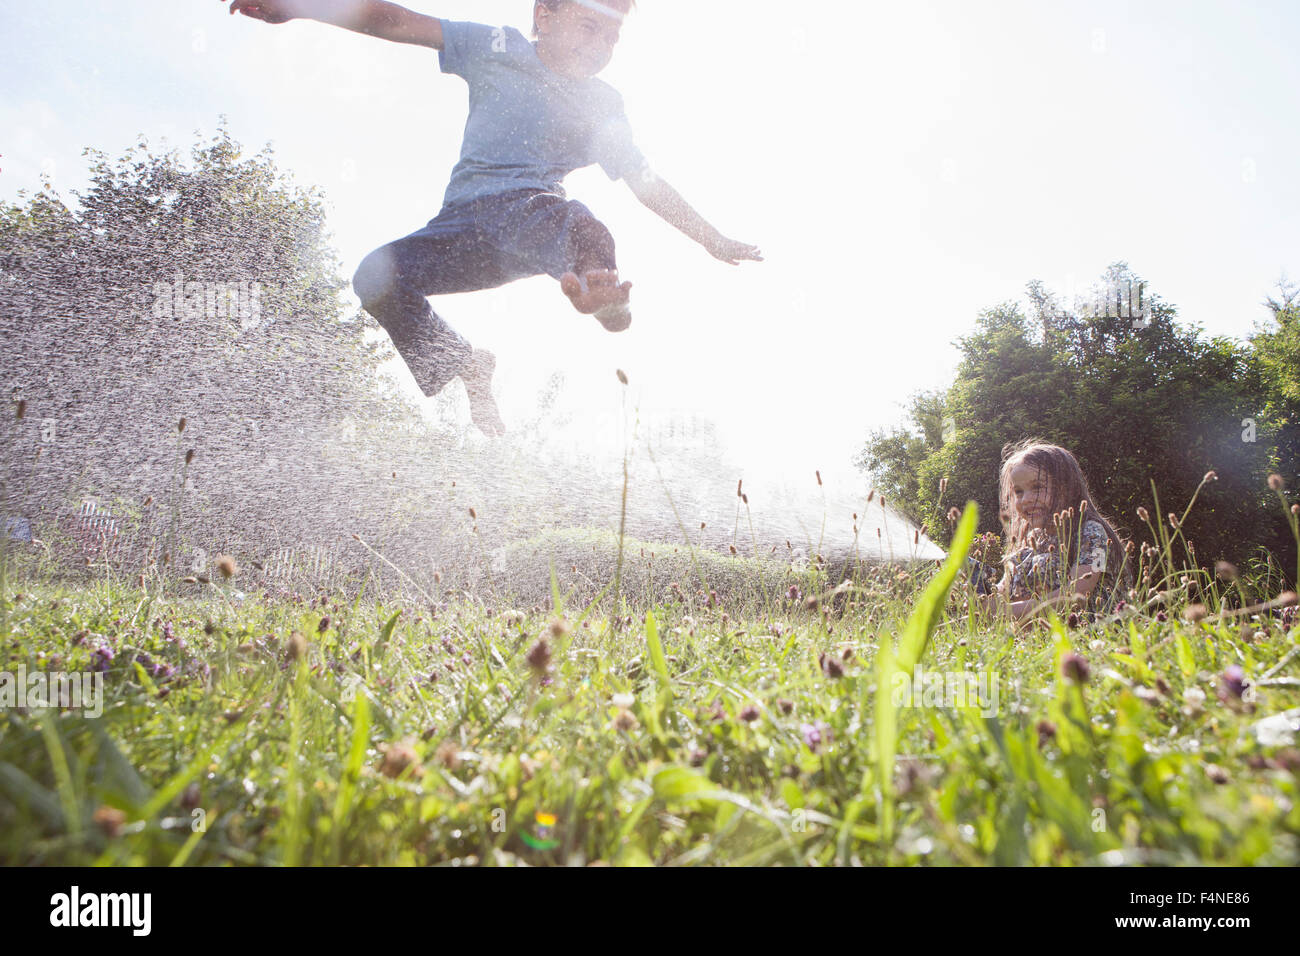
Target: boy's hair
x=1067 y=488
x=556 y=4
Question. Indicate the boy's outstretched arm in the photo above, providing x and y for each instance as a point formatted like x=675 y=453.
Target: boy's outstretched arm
x=666 y=202
x=375 y=18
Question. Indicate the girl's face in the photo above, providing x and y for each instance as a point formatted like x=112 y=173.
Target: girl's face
x=1030 y=495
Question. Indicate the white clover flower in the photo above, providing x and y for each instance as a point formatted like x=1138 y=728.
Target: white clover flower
x=627 y=700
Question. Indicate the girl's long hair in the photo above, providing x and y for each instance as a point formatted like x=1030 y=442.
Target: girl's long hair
x=1068 y=497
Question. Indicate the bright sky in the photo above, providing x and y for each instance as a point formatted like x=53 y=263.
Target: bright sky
x=902 y=166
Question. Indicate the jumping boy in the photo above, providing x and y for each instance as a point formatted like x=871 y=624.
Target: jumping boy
x=536 y=113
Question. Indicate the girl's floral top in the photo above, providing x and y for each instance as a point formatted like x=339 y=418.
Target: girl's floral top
x=1036 y=568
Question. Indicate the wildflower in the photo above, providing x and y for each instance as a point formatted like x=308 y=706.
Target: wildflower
x=830 y=666
x=943 y=486
x=110 y=820
x=953 y=515
x=1225 y=571
x=819 y=482
x=1216 y=773
x=1074 y=668
x=473 y=514
x=785 y=706
x=324 y=624
x=1194 y=700
x=1210 y=476
x=189 y=456
x=539 y=656
x=297 y=647
x=1144 y=514
x=1161 y=616
x=102 y=657
x=1275 y=482
x=1173 y=521
x=739 y=485
x=815 y=735
x=625 y=720
x=698 y=757
x=397 y=758
x=1046 y=731
x=226 y=565
x=1232 y=683
x=1195 y=613
x=622 y=375
x=1072 y=621
x=733 y=549
x=448 y=754
x=191 y=796
x=623 y=700
x=749 y=714
x=715 y=712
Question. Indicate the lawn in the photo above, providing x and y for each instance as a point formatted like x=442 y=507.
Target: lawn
x=874 y=720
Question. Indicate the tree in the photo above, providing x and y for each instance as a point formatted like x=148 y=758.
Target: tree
x=206 y=291
x=1137 y=399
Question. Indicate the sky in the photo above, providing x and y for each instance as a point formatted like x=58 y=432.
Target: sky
x=902 y=167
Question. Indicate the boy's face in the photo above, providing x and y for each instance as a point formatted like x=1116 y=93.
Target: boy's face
x=576 y=40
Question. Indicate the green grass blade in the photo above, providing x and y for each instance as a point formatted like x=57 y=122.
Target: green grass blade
x=929 y=609
x=351 y=772
x=656 y=648
x=62 y=773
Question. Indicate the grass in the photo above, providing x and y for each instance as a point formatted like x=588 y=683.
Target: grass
x=660 y=705
x=352 y=731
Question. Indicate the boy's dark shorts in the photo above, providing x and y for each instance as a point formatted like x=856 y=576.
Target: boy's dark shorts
x=519 y=234
x=482 y=244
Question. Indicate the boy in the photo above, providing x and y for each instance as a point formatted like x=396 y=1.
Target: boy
x=536 y=114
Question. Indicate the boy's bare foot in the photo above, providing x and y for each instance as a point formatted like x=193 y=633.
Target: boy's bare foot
x=477 y=376
x=599 y=293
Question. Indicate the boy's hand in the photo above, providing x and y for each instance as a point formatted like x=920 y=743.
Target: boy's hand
x=268 y=11
x=731 y=252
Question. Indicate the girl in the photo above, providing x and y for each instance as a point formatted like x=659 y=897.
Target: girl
x=1058 y=544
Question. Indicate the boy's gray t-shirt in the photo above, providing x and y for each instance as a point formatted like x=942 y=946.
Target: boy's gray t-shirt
x=528 y=126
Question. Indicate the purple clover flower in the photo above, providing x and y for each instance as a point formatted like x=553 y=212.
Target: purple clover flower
x=101 y=658
x=1233 y=682
x=815 y=735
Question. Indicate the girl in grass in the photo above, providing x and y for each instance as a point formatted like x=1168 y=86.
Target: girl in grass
x=1059 y=546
